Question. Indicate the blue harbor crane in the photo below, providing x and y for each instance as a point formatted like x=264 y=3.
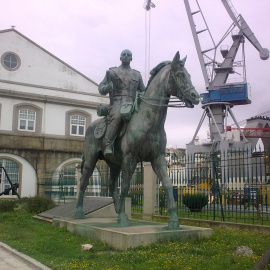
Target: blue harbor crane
x=222 y=91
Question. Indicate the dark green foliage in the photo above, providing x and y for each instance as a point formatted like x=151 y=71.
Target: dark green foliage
x=7 y=205
x=34 y=205
x=195 y=202
x=37 y=204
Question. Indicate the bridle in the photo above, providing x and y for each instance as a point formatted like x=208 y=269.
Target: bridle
x=178 y=104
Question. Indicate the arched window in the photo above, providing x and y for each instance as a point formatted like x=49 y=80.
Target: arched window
x=13 y=170
x=27 y=120
x=68 y=181
x=76 y=122
x=64 y=183
x=77 y=125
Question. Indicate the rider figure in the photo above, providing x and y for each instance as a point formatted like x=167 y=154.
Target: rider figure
x=121 y=83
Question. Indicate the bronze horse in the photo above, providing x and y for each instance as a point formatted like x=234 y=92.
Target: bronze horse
x=143 y=140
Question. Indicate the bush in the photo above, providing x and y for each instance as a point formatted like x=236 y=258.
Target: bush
x=8 y=205
x=34 y=205
x=195 y=202
x=37 y=204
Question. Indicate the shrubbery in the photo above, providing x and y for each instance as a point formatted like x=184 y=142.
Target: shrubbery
x=8 y=205
x=34 y=205
x=195 y=202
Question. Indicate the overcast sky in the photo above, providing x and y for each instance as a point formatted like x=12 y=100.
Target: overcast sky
x=90 y=34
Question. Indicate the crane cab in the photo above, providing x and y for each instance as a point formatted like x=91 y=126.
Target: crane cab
x=237 y=94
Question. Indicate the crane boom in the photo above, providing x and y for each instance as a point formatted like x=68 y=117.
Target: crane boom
x=197 y=42
x=243 y=26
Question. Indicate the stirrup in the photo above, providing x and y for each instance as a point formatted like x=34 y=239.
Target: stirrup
x=108 y=151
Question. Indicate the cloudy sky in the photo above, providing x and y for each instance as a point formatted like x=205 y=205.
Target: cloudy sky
x=90 y=34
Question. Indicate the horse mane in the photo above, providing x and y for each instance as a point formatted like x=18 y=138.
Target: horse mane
x=156 y=69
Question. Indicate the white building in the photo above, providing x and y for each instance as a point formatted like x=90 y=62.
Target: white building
x=45 y=107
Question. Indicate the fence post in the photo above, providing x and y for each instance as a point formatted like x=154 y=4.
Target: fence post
x=79 y=175
x=149 y=192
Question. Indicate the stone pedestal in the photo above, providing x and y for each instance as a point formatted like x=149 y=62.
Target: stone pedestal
x=136 y=234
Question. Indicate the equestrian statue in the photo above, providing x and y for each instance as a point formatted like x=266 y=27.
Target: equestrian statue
x=132 y=129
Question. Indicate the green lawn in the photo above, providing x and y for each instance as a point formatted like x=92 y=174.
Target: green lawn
x=59 y=249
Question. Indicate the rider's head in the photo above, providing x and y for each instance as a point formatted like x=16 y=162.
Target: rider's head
x=126 y=57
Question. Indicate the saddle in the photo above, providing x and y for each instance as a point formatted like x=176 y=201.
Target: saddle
x=100 y=128
x=127 y=109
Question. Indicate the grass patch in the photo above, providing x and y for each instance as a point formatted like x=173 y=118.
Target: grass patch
x=59 y=249
x=35 y=205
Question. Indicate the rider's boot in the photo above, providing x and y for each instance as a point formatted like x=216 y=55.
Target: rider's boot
x=108 y=150
x=109 y=139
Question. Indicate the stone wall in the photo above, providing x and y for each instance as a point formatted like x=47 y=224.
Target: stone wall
x=44 y=153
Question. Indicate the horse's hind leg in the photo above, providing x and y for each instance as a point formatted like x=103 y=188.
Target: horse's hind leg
x=114 y=173
x=87 y=171
x=128 y=168
x=160 y=168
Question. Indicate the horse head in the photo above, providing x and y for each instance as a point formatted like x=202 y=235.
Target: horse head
x=180 y=84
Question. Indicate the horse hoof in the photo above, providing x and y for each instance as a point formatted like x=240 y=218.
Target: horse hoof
x=173 y=225
x=79 y=214
x=123 y=220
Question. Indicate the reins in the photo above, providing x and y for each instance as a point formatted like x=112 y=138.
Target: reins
x=180 y=104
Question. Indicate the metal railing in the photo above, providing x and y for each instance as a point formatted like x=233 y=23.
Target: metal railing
x=64 y=188
x=232 y=186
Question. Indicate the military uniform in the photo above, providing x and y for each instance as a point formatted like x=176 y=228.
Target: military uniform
x=126 y=82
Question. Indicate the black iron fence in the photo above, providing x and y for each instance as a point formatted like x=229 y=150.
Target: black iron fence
x=231 y=186
x=63 y=186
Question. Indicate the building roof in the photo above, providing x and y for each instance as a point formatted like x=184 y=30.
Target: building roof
x=28 y=39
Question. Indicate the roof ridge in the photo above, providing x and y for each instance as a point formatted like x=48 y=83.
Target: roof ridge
x=25 y=37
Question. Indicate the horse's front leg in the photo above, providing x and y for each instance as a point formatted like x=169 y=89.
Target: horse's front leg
x=88 y=169
x=128 y=168
x=159 y=166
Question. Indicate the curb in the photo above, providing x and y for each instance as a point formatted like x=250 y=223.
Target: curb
x=25 y=258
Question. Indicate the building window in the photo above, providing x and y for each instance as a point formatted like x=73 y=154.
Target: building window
x=13 y=171
x=10 y=61
x=27 y=120
x=77 y=125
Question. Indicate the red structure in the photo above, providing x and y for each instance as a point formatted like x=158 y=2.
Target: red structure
x=254 y=132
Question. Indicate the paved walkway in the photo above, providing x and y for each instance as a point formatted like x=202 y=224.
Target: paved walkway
x=11 y=259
